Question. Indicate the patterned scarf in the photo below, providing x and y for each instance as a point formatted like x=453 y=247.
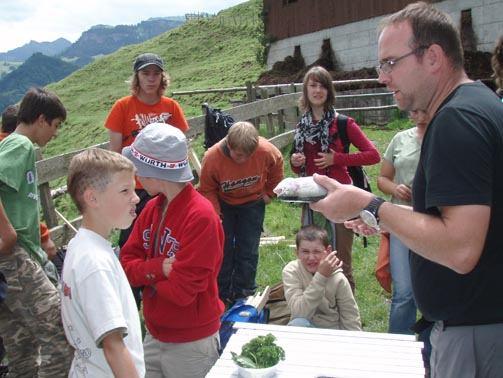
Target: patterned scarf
x=310 y=132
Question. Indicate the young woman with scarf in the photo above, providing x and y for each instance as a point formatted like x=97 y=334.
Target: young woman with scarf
x=318 y=149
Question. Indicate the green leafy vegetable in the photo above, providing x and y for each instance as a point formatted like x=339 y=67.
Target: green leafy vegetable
x=260 y=352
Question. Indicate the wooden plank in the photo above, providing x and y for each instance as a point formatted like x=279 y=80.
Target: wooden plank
x=281 y=113
x=283 y=140
x=194 y=160
x=268 y=118
x=62 y=234
x=203 y=91
x=57 y=166
x=263 y=107
x=196 y=125
x=44 y=192
x=47 y=203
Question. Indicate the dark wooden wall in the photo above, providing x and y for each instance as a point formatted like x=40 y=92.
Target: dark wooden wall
x=289 y=18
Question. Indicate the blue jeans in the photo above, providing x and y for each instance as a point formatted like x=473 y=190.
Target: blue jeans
x=242 y=227
x=403 y=307
x=300 y=322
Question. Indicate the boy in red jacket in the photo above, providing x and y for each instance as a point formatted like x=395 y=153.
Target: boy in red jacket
x=175 y=250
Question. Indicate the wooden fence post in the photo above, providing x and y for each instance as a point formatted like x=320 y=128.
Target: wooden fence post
x=264 y=94
x=250 y=97
x=281 y=112
x=291 y=114
x=46 y=201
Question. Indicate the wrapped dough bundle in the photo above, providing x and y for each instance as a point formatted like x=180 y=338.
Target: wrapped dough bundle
x=299 y=189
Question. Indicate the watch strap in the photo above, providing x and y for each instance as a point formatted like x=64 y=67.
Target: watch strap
x=373 y=207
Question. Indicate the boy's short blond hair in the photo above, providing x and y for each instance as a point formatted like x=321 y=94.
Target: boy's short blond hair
x=243 y=136
x=312 y=233
x=94 y=168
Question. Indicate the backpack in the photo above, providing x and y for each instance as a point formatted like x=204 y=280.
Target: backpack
x=277 y=307
x=239 y=312
x=357 y=173
x=216 y=125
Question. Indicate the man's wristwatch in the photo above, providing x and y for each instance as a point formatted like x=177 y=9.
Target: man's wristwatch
x=369 y=214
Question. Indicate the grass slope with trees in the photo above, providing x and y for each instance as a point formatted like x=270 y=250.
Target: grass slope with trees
x=211 y=53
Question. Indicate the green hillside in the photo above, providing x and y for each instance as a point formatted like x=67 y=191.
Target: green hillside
x=216 y=52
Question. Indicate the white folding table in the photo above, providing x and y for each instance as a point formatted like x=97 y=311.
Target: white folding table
x=315 y=352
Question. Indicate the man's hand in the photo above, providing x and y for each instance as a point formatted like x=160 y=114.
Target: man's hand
x=267 y=199
x=329 y=264
x=360 y=227
x=298 y=159
x=342 y=201
x=167 y=265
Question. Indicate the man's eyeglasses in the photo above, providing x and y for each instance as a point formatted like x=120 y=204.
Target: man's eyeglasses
x=387 y=66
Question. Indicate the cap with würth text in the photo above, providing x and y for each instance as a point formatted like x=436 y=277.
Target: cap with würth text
x=160 y=151
x=147 y=59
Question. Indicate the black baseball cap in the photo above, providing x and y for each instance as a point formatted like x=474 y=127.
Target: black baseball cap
x=147 y=59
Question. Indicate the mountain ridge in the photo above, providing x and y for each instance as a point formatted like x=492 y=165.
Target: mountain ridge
x=20 y=54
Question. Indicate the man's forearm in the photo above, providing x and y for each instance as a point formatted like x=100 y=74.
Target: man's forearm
x=455 y=239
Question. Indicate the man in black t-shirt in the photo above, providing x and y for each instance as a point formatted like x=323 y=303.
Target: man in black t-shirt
x=452 y=231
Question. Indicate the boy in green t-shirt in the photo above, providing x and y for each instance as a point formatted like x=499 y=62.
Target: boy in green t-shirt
x=30 y=321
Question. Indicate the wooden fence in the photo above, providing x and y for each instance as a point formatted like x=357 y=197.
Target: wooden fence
x=367 y=106
x=57 y=167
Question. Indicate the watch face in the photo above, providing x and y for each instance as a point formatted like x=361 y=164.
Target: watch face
x=368 y=218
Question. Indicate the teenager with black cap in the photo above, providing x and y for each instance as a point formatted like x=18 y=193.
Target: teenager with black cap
x=146 y=104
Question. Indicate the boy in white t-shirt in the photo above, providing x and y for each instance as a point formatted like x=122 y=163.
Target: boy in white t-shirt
x=99 y=313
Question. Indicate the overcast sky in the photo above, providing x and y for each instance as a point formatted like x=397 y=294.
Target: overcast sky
x=47 y=20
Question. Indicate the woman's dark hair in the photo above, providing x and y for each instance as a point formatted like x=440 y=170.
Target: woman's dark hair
x=322 y=76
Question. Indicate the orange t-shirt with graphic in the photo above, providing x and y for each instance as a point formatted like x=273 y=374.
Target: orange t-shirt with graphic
x=129 y=115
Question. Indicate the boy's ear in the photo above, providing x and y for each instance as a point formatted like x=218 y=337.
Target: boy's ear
x=89 y=197
x=329 y=249
x=40 y=119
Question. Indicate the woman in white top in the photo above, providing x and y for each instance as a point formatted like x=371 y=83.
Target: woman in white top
x=396 y=177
